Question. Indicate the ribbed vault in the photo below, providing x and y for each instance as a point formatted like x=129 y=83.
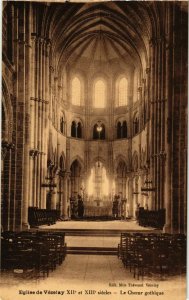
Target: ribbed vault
x=100 y=32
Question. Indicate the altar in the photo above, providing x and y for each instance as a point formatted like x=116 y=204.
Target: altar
x=97 y=208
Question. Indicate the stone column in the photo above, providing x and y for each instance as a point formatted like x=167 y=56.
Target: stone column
x=28 y=78
x=163 y=125
x=14 y=125
x=43 y=131
x=36 y=197
x=130 y=196
x=20 y=130
x=40 y=123
x=5 y=183
x=47 y=99
x=66 y=195
x=168 y=111
x=31 y=177
x=32 y=195
x=60 y=194
x=152 y=199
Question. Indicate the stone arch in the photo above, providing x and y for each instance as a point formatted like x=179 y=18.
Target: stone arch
x=95 y=122
x=121 y=169
x=79 y=159
x=77 y=127
x=77 y=119
x=136 y=122
x=119 y=158
x=99 y=135
x=120 y=118
x=76 y=169
x=100 y=119
x=62 y=161
x=121 y=126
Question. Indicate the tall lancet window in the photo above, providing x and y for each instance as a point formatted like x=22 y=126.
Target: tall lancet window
x=100 y=94
x=76 y=91
x=122 y=92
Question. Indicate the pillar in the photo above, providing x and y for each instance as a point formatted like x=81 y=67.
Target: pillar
x=65 y=195
x=168 y=111
x=130 y=197
x=19 y=204
x=28 y=58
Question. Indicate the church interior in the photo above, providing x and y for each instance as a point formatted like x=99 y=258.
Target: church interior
x=94 y=136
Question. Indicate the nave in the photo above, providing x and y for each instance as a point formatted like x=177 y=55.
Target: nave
x=100 y=258
x=92 y=272
x=94 y=126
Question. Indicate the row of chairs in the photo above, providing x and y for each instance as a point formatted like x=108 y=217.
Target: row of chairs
x=33 y=254
x=150 y=253
x=151 y=218
x=37 y=216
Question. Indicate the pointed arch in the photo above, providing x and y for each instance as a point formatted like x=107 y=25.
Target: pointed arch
x=121 y=169
x=73 y=129
x=99 y=134
x=77 y=128
x=62 y=161
x=79 y=159
x=76 y=169
x=119 y=159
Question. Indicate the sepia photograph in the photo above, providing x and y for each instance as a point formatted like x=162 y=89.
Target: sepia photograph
x=94 y=142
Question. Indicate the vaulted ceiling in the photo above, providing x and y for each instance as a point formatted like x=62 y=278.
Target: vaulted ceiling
x=99 y=32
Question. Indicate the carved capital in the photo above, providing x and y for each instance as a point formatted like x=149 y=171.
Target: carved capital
x=5 y=148
x=162 y=155
x=34 y=153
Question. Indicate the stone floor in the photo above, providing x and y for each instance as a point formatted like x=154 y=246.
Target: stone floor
x=93 y=277
x=92 y=241
x=101 y=241
x=117 y=224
